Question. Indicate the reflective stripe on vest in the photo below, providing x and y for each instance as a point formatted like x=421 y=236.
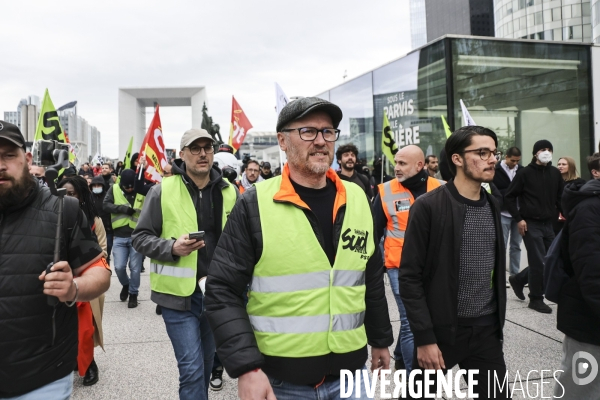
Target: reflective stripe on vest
x=307 y=324
x=120 y=220
x=396 y=201
x=179 y=217
x=299 y=306
x=310 y=280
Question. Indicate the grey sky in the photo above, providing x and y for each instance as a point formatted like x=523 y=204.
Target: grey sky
x=85 y=51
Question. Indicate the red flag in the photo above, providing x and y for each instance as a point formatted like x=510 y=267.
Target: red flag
x=153 y=150
x=239 y=125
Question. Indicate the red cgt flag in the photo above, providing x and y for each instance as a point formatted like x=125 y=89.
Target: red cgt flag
x=239 y=125
x=153 y=150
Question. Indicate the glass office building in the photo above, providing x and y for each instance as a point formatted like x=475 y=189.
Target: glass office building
x=596 y=21
x=523 y=90
x=568 y=20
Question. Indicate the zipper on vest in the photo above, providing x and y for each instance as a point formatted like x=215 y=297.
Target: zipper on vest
x=199 y=208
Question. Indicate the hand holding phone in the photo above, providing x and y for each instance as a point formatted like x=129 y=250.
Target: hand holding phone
x=198 y=236
x=188 y=243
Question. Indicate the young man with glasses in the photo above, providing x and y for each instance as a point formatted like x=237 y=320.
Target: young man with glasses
x=250 y=176
x=195 y=199
x=452 y=271
x=534 y=200
x=304 y=242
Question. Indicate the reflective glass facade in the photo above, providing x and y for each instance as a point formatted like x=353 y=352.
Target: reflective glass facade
x=596 y=21
x=567 y=20
x=418 y=23
x=523 y=90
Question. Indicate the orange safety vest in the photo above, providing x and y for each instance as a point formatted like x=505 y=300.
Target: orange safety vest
x=396 y=201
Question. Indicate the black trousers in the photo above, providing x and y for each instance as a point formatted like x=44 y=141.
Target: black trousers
x=537 y=239
x=476 y=347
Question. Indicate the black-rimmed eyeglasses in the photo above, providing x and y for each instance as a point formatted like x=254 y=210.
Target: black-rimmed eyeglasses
x=485 y=153
x=309 y=134
x=195 y=149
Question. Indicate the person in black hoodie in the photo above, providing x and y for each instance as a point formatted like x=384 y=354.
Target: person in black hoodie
x=579 y=300
x=538 y=189
x=124 y=218
x=99 y=189
x=265 y=170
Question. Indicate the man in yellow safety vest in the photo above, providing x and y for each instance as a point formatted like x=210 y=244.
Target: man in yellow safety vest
x=304 y=242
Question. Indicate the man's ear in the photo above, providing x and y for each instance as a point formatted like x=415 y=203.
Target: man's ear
x=281 y=140
x=457 y=160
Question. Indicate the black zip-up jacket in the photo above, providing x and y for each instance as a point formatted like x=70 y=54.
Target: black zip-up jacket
x=538 y=189
x=502 y=181
x=578 y=313
x=208 y=203
x=231 y=270
x=431 y=261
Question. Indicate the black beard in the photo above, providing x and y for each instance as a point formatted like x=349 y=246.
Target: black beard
x=346 y=167
x=18 y=191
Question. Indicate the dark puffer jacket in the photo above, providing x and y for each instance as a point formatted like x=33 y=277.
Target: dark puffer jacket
x=579 y=301
x=231 y=270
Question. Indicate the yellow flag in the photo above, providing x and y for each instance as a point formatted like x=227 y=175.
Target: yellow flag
x=48 y=125
x=127 y=163
x=446 y=127
x=388 y=145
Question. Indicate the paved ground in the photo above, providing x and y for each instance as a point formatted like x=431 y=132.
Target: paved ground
x=139 y=362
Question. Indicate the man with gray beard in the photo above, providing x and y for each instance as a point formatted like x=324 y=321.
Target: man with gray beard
x=304 y=241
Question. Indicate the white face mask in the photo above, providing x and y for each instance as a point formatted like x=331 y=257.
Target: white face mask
x=97 y=190
x=545 y=157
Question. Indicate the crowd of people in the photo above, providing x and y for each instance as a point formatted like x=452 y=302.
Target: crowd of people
x=277 y=277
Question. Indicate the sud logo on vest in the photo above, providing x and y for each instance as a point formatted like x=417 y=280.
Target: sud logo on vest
x=355 y=240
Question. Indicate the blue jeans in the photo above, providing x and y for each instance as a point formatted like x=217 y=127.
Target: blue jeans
x=122 y=251
x=406 y=342
x=60 y=389
x=510 y=226
x=194 y=348
x=327 y=391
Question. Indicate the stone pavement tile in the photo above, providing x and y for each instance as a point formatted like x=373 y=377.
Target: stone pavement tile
x=545 y=324
x=133 y=371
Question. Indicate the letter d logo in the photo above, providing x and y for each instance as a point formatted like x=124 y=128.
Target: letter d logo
x=581 y=367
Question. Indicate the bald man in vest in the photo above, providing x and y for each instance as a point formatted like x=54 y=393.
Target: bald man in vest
x=304 y=242
x=391 y=208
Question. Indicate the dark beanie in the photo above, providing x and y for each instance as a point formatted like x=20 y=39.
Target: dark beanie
x=134 y=157
x=542 y=144
x=127 y=178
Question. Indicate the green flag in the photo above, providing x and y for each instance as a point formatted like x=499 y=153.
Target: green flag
x=127 y=163
x=48 y=126
x=446 y=127
x=388 y=145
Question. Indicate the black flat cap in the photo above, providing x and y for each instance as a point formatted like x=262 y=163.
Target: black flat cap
x=299 y=108
x=11 y=133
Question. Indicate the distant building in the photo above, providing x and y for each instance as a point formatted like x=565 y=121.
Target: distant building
x=558 y=20
x=84 y=138
x=595 y=9
x=431 y=19
x=262 y=146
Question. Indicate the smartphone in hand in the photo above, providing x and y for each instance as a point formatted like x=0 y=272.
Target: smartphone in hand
x=196 y=235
